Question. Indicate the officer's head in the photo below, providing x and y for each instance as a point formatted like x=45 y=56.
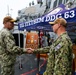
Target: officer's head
x=8 y=22
x=58 y=23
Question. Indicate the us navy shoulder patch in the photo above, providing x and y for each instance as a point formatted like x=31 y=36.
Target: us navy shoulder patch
x=58 y=47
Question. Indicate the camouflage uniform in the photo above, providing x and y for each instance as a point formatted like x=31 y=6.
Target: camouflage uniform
x=8 y=52
x=60 y=56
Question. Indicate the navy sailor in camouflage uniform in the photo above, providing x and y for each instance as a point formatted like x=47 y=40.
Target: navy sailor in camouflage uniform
x=60 y=52
x=8 y=48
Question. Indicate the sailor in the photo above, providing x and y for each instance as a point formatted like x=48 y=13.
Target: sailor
x=60 y=52
x=8 y=48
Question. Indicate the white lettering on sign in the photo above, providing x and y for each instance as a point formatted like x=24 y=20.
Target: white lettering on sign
x=47 y=18
x=21 y=25
x=69 y=14
x=66 y=15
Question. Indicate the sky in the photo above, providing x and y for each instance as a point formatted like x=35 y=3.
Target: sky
x=12 y=7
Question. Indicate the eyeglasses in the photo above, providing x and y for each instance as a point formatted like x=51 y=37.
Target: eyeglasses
x=52 y=24
x=12 y=22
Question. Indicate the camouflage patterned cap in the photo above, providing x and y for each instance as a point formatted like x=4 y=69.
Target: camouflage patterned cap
x=62 y=21
x=8 y=19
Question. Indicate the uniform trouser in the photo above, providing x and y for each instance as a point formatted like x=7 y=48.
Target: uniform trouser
x=7 y=69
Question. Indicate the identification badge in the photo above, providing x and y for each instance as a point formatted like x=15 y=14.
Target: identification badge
x=58 y=47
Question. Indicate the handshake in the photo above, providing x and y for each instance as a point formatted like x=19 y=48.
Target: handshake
x=29 y=50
